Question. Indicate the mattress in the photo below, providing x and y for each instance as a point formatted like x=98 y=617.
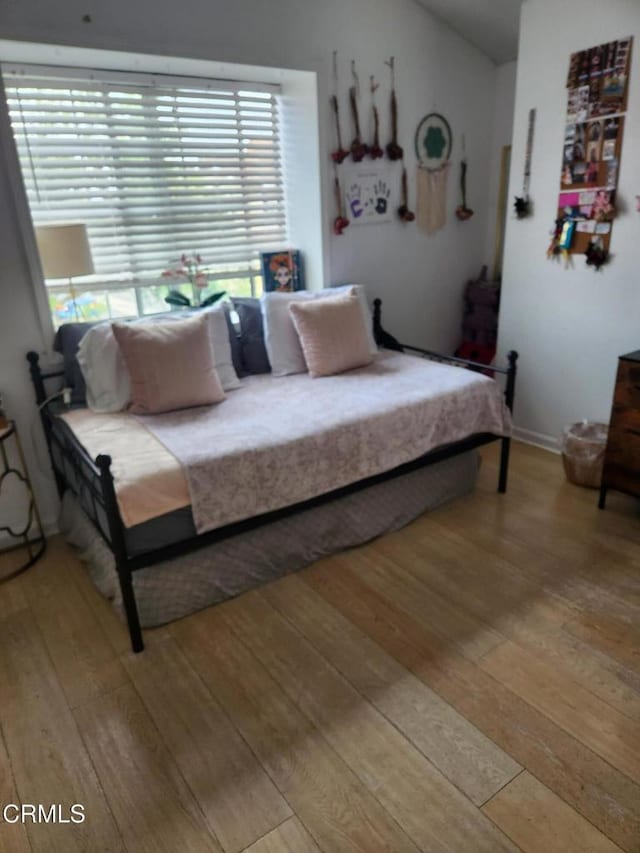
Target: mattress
x=278 y=441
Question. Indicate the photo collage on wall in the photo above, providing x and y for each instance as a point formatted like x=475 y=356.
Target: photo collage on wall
x=597 y=89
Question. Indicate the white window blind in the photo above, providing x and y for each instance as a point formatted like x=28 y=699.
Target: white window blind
x=153 y=166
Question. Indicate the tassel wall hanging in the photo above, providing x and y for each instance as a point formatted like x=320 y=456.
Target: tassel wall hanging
x=340 y=222
x=404 y=213
x=394 y=151
x=462 y=211
x=375 y=151
x=340 y=153
x=359 y=149
x=368 y=187
x=522 y=204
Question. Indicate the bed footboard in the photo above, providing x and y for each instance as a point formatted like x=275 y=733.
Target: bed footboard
x=384 y=339
x=92 y=483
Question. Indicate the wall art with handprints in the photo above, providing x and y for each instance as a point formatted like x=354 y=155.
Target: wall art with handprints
x=368 y=194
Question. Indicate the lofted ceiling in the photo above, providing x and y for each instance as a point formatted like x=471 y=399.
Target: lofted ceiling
x=491 y=25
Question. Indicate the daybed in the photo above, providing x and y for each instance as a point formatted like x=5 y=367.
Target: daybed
x=287 y=470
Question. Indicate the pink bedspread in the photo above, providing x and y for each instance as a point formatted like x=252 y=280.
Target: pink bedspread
x=279 y=441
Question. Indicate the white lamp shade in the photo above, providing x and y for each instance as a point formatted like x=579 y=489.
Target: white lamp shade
x=64 y=250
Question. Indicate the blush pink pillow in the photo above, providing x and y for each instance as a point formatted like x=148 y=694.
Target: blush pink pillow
x=332 y=333
x=170 y=365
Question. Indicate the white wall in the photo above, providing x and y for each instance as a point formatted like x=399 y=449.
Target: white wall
x=420 y=279
x=300 y=137
x=569 y=325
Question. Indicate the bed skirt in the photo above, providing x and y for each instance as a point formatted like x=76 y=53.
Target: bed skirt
x=172 y=589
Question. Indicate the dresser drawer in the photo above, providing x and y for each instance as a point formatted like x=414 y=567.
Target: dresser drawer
x=623 y=447
x=627 y=391
x=621 y=469
x=621 y=478
x=624 y=418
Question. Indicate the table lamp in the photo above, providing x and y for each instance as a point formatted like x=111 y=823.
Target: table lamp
x=65 y=253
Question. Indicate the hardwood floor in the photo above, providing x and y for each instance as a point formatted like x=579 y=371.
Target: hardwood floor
x=470 y=684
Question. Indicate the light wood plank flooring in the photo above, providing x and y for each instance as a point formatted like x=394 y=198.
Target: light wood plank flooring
x=470 y=684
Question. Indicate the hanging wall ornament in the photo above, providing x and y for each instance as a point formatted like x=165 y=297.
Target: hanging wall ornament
x=522 y=204
x=431 y=209
x=339 y=154
x=561 y=240
x=359 y=149
x=433 y=142
x=596 y=253
x=375 y=151
x=394 y=151
x=340 y=222
x=404 y=213
x=598 y=88
x=462 y=211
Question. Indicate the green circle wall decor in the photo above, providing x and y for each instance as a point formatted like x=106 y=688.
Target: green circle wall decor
x=433 y=141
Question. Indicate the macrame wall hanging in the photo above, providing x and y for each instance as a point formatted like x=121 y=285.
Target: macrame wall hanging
x=431 y=211
x=433 y=143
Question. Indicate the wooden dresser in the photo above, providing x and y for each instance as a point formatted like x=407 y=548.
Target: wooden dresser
x=622 y=456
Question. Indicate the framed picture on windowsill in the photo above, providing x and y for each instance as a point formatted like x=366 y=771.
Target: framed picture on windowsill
x=282 y=271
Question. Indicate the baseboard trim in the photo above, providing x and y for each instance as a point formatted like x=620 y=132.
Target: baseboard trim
x=538 y=439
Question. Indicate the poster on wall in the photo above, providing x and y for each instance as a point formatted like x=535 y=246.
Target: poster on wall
x=282 y=271
x=368 y=193
x=597 y=92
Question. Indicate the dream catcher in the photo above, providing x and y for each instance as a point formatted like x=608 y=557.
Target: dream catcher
x=433 y=144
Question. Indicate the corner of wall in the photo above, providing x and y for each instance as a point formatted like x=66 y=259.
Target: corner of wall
x=502 y=131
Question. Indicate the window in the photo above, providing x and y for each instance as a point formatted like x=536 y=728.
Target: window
x=156 y=167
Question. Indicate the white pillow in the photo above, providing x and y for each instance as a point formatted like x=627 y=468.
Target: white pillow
x=106 y=377
x=105 y=373
x=222 y=361
x=280 y=336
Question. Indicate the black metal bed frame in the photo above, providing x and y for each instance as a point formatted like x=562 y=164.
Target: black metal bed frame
x=92 y=481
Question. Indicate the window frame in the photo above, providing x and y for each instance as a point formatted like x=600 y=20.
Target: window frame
x=42 y=289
